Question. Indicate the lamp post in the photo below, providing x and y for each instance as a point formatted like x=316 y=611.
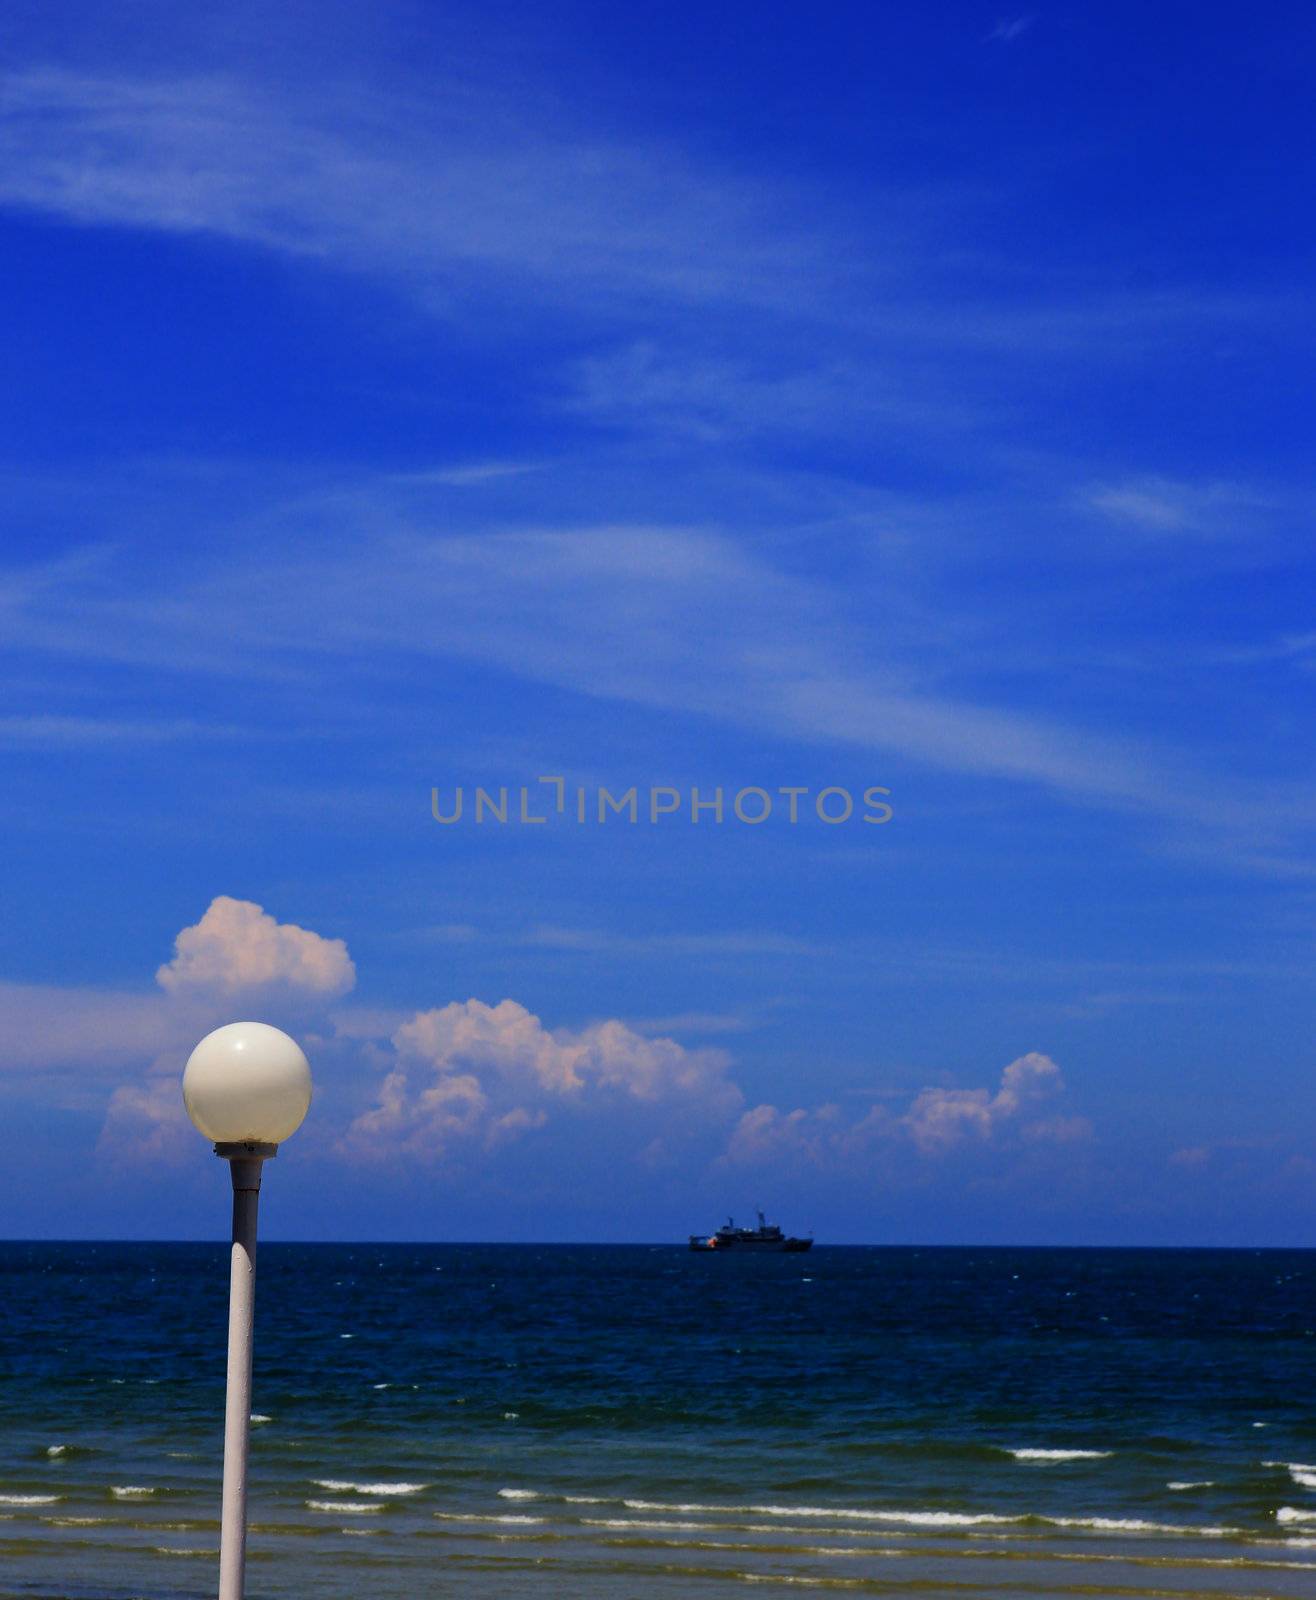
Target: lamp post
x=247 y=1087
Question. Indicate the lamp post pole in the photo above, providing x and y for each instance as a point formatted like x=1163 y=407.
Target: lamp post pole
x=245 y=1162
x=247 y=1087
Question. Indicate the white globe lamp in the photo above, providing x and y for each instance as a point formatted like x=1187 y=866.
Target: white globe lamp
x=247 y=1083
x=247 y=1087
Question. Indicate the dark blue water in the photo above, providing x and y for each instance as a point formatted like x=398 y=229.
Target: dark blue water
x=632 y=1421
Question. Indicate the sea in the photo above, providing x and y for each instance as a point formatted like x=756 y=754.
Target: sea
x=636 y=1422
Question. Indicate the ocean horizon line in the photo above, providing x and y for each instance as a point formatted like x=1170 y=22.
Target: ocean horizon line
x=679 y=1244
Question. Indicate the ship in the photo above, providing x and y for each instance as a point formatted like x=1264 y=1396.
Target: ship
x=767 y=1236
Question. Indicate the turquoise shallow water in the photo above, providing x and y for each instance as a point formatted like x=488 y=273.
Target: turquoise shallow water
x=632 y=1421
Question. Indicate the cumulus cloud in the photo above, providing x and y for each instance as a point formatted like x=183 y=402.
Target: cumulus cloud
x=236 y=958
x=237 y=947
x=147 y=1119
x=472 y=1071
x=937 y=1121
x=236 y=951
x=820 y=1136
x=469 y=1074
x=942 y=1118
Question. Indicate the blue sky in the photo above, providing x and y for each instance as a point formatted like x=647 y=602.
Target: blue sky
x=406 y=397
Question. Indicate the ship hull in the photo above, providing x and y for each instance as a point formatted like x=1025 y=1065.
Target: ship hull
x=752 y=1246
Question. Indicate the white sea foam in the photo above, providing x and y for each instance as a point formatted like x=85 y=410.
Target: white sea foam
x=56 y=1449
x=1138 y=1525
x=1179 y=1484
x=345 y=1486
x=1031 y=1454
x=643 y=1522
x=1303 y=1473
x=1292 y=1514
x=802 y=1583
x=30 y=1499
x=131 y=1491
x=340 y=1506
x=476 y=1516
x=259 y=1416
x=910 y=1519
x=928 y=1519
x=944 y=1519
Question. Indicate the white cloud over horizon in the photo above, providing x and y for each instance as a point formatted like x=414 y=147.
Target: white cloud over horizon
x=474 y=1071
x=940 y=1119
x=937 y=1122
x=425 y=1085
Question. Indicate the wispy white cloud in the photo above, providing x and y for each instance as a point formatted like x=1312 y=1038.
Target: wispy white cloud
x=438 y=193
x=597 y=941
x=715 y=398
x=477 y=199
x=1101 y=1003
x=1159 y=507
x=488 y=192
x=449 y=933
x=47 y=1026
x=699 y=1023
x=44 y=731
x=1008 y=29
x=1296 y=648
x=470 y=475
x=662 y=617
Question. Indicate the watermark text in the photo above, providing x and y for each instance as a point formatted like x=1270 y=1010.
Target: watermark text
x=552 y=798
